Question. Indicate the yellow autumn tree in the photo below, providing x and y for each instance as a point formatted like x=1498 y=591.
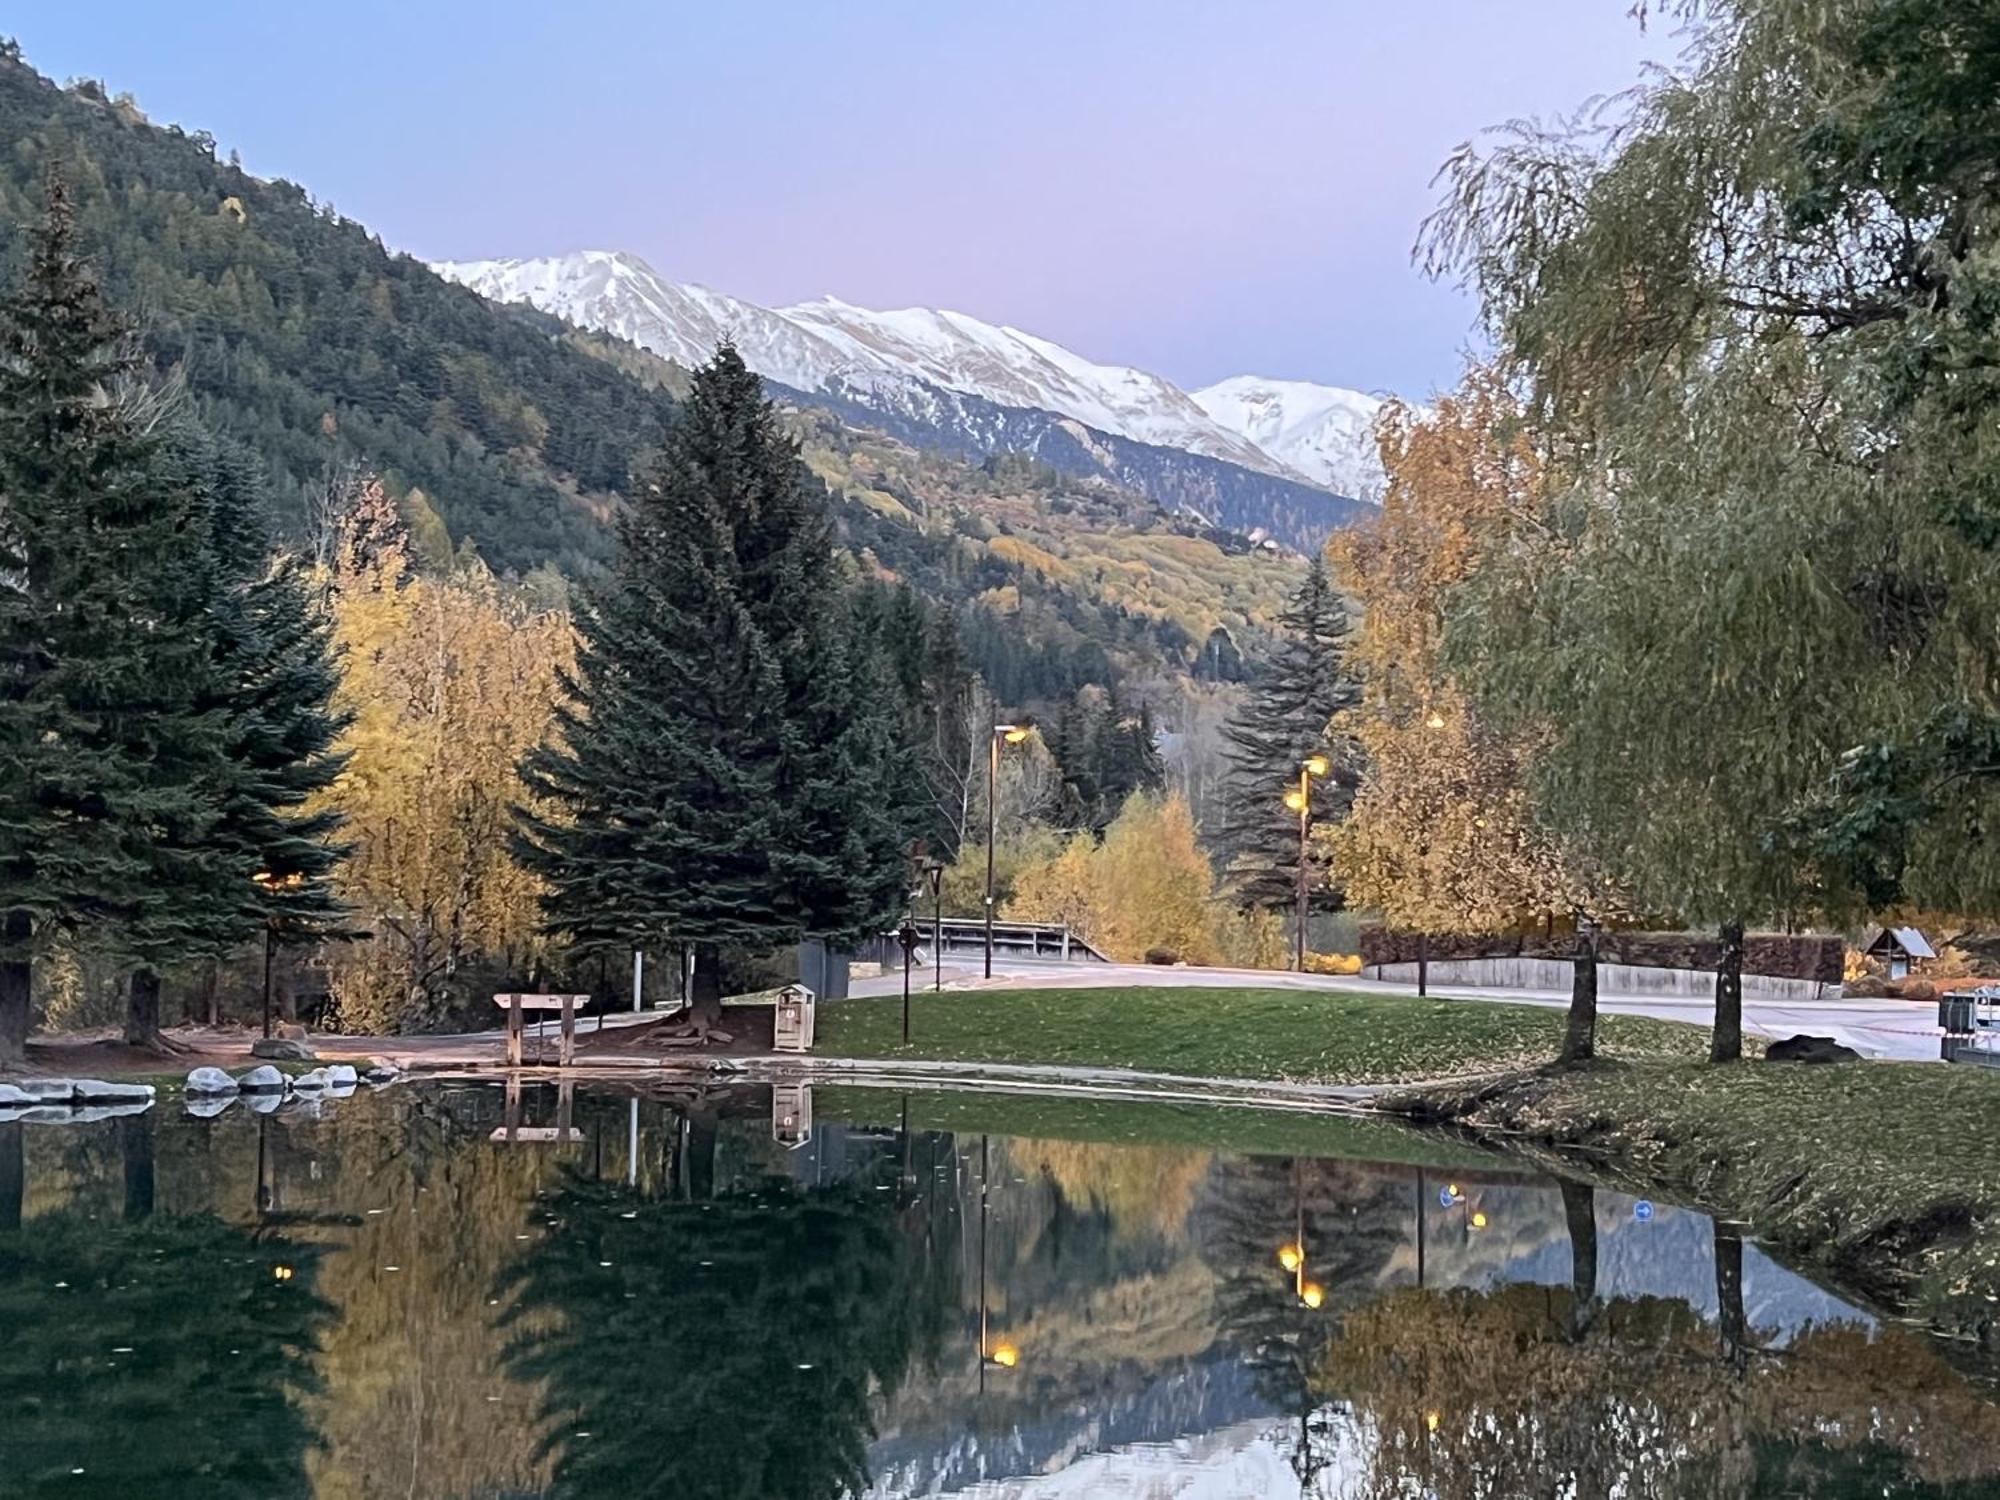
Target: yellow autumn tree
x=448 y=682
x=1146 y=888
x=1441 y=835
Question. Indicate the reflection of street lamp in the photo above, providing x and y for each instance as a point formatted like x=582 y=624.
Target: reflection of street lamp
x=1011 y=734
x=1292 y=1256
x=1300 y=802
x=1003 y=1354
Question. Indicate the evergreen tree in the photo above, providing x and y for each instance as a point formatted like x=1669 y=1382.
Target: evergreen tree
x=275 y=667
x=111 y=763
x=1293 y=699
x=722 y=775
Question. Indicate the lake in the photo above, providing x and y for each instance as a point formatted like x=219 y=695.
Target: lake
x=451 y=1290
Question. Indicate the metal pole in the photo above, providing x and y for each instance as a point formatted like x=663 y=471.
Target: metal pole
x=992 y=822
x=937 y=931
x=1305 y=813
x=267 y=982
x=632 y=1145
x=910 y=933
x=638 y=977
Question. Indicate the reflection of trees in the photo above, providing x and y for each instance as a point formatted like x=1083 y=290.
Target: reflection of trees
x=159 y=1354
x=727 y=1347
x=1350 y=1221
x=1541 y=1390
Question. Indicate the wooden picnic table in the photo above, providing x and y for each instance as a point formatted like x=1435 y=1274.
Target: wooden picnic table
x=515 y=1005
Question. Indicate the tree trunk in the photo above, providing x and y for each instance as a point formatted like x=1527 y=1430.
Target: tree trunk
x=209 y=994
x=705 y=994
x=1731 y=1324
x=1726 y=1045
x=13 y=1175
x=142 y=1008
x=16 y=987
x=135 y=1143
x=1580 y=1215
x=701 y=1154
x=1424 y=963
x=1580 y=1039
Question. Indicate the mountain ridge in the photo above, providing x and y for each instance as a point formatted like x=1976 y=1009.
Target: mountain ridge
x=953 y=370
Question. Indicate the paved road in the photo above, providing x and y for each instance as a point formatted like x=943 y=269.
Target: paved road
x=1898 y=1029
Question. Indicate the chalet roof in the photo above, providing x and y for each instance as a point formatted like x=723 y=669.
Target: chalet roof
x=1908 y=939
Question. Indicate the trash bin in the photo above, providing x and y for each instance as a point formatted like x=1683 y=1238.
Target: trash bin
x=1955 y=1014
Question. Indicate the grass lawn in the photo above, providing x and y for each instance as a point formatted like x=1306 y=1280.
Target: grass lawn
x=1305 y=1036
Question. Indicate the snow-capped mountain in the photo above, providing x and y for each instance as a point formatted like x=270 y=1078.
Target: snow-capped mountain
x=899 y=361
x=1321 y=431
x=814 y=346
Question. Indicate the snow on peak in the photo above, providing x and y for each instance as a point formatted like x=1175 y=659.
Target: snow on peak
x=1321 y=431
x=1316 y=433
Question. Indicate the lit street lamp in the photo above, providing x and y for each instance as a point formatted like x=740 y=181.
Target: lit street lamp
x=1300 y=802
x=1010 y=734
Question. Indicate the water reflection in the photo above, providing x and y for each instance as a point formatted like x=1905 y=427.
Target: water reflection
x=470 y=1291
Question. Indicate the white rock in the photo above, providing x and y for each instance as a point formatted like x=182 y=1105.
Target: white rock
x=42 y=1114
x=10 y=1095
x=210 y=1081
x=97 y=1091
x=310 y=1083
x=48 y=1090
x=340 y=1076
x=208 y=1106
x=264 y=1080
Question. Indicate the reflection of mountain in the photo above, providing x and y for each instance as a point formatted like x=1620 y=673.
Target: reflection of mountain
x=1061 y=1437
x=1673 y=1256
x=1244 y=1459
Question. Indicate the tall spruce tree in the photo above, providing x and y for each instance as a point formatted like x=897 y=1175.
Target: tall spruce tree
x=275 y=669
x=1293 y=699
x=722 y=773
x=111 y=767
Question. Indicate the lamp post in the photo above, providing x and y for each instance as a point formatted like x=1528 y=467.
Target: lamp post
x=1300 y=802
x=1011 y=734
x=934 y=871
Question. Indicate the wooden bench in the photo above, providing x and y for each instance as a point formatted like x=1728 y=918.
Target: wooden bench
x=514 y=1005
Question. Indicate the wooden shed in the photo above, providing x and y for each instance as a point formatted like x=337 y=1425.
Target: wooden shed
x=1900 y=949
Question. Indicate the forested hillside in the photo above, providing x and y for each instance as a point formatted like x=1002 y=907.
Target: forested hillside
x=295 y=331
x=298 y=333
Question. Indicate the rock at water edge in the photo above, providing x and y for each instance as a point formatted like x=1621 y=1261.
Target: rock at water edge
x=264 y=1080
x=210 y=1081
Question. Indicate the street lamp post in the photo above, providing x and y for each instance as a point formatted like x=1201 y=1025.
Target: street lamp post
x=934 y=869
x=1011 y=734
x=1300 y=802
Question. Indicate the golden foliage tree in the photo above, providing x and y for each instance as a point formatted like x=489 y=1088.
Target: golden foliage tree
x=449 y=682
x=1441 y=835
x=1146 y=887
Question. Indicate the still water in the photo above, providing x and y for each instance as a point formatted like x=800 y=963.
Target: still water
x=444 y=1291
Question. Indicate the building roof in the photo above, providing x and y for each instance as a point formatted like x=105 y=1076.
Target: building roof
x=1908 y=939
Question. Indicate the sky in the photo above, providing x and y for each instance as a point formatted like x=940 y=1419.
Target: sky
x=1197 y=189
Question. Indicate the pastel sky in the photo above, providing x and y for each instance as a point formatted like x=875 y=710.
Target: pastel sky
x=1200 y=189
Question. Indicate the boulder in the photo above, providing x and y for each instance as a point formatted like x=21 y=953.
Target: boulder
x=210 y=1081
x=380 y=1070
x=47 y=1090
x=283 y=1049
x=340 y=1076
x=115 y=1091
x=265 y=1102
x=10 y=1096
x=1810 y=1049
x=208 y=1106
x=264 y=1080
x=310 y=1083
